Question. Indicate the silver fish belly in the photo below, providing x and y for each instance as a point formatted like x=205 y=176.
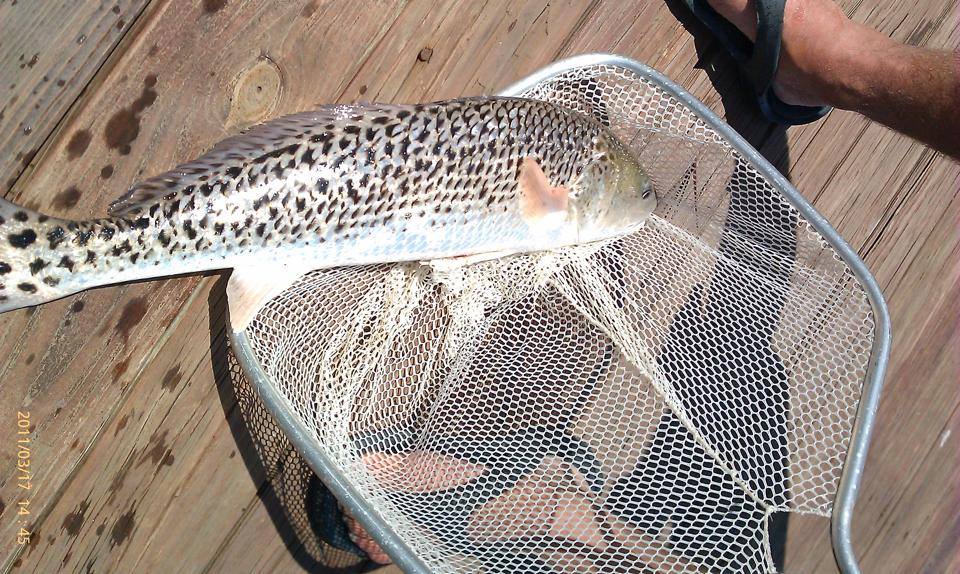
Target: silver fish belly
x=344 y=185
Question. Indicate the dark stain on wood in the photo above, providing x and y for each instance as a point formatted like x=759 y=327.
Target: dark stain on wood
x=120 y=368
x=73 y=522
x=171 y=378
x=31 y=62
x=106 y=172
x=121 y=424
x=29 y=360
x=78 y=144
x=124 y=126
x=123 y=527
x=26 y=157
x=309 y=9
x=67 y=198
x=213 y=6
x=77 y=306
x=425 y=55
x=133 y=312
x=158 y=454
x=116 y=485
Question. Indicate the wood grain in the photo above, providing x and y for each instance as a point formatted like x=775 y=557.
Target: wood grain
x=136 y=460
x=49 y=52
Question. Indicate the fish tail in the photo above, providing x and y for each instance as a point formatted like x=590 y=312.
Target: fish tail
x=30 y=246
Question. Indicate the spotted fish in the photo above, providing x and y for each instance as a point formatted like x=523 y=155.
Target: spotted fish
x=344 y=185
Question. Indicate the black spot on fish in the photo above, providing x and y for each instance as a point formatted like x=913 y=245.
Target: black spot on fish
x=21 y=216
x=56 y=236
x=403 y=114
x=134 y=257
x=51 y=281
x=90 y=256
x=4 y=268
x=218 y=228
x=82 y=237
x=106 y=233
x=37 y=265
x=27 y=287
x=22 y=239
x=308 y=158
x=352 y=194
x=380 y=120
x=141 y=223
x=261 y=228
x=322 y=185
x=206 y=190
x=234 y=171
x=353 y=130
x=164 y=238
x=189 y=230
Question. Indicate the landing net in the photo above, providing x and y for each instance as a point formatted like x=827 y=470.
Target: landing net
x=651 y=403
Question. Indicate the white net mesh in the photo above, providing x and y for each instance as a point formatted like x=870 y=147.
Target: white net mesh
x=643 y=405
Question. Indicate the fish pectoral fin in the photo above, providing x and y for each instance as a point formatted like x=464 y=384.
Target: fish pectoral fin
x=251 y=286
x=537 y=198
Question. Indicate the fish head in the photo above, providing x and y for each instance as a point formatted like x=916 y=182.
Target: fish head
x=614 y=194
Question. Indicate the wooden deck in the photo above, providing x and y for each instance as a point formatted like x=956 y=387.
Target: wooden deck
x=140 y=444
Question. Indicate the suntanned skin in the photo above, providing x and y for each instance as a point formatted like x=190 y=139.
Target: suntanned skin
x=827 y=59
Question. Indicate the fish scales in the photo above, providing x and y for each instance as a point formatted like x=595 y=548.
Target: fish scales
x=344 y=185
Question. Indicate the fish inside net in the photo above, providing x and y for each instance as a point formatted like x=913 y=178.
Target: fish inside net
x=649 y=404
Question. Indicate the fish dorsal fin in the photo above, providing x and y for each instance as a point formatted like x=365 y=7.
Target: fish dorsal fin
x=245 y=147
x=538 y=198
x=251 y=286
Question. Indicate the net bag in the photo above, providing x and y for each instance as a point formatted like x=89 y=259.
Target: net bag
x=647 y=404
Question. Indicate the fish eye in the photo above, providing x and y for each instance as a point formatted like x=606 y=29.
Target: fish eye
x=646 y=193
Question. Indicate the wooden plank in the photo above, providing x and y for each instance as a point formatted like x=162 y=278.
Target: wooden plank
x=49 y=51
x=885 y=193
x=70 y=363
